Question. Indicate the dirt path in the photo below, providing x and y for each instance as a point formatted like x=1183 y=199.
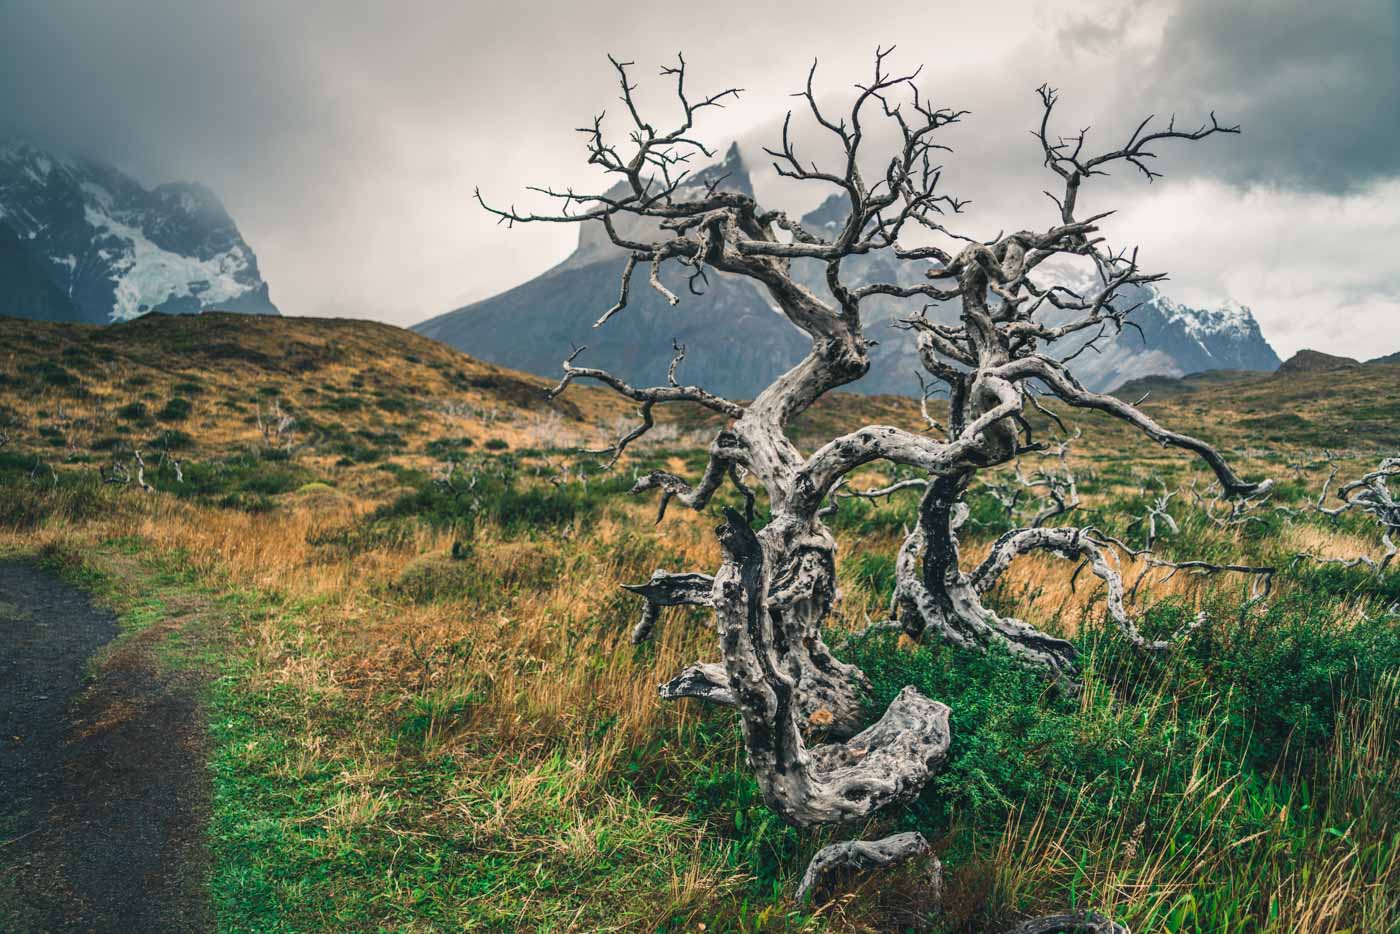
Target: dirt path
x=103 y=790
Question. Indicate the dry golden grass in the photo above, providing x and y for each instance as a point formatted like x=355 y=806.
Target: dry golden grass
x=516 y=655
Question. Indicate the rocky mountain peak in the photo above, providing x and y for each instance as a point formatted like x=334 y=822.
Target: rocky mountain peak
x=826 y=219
x=730 y=173
x=117 y=250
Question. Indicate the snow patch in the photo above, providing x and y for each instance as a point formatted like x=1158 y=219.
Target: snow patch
x=147 y=276
x=1229 y=319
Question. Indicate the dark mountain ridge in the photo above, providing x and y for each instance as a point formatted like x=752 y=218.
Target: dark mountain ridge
x=27 y=291
x=1314 y=361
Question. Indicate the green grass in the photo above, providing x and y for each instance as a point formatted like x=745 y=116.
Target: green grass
x=1212 y=779
x=283 y=865
x=330 y=813
x=503 y=491
x=1257 y=702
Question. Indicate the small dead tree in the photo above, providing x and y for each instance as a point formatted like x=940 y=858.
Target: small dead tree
x=278 y=430
x=176 y=465
x=167 y=456
x=276 y=425
x=1060 y=487
x=802 y=709
x=1370 y=494
x=122 y=474
x=41 y=465
x=1229 y=510
x=1157 y=510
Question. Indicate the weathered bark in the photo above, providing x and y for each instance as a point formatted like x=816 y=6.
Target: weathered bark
x=834 y=862
x=933 y=594
x=830 y=783
x=1080 y=922
x=706 y=681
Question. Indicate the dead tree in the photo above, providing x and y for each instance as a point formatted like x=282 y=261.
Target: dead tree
x=1061 y=487
x=39 y=465
x=1057 y=491
x=278 y=430
x=276 y=426
x=1148 y=520
x=1229 y=510
x=777 y=585
x=120 y=473
x=175 y=463
x=1370 y=494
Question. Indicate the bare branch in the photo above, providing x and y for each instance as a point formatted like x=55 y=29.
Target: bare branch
x=667 y=589
x=654 y=394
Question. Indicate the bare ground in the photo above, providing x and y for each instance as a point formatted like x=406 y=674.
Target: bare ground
x=104 y=793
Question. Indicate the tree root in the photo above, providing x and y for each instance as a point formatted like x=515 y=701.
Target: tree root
x=1087 y=922
x=832 y=863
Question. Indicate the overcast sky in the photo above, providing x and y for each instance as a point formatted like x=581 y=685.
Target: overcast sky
x=346 y=137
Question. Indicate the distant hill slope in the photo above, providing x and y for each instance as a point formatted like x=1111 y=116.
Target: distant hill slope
x=356 y=383
x=117 y=250
x=1315 y=361
x=1314 y=399
x=361 y=393
x=736 y=343
x=352 y=386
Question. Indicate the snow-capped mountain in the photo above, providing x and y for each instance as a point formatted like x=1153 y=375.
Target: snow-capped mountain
x=736 y=342
x=115 y=250
x=1169 y=338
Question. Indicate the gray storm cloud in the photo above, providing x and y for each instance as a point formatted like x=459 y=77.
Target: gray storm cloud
x=1316 y=85
x=346 y=138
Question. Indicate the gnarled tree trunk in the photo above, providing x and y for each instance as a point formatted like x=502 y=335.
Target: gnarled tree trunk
x=777 y=586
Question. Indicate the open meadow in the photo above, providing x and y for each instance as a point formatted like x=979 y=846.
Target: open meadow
x=395 y=579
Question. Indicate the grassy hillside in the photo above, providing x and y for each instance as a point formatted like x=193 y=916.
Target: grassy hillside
x=349 y=384
x=1298 y=406
x=427 y=714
